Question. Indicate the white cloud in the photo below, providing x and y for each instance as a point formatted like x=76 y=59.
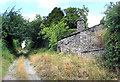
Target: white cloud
x=50 y=4
x=93 y=19
x=3 y=1
x=29 y=16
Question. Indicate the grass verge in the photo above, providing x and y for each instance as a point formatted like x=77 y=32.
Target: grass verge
x=21 y=73
x=53 y=66
x=7 y=60
x=0 y=60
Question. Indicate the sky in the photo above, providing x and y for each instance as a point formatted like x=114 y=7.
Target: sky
x=43 y=7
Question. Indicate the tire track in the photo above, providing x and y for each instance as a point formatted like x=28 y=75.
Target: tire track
x=31 y=73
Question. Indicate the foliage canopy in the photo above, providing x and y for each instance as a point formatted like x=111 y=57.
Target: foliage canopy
x=112 y=36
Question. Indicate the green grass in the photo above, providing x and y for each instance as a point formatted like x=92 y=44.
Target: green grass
x=0 y=60
x=60 y=66
x=7 y=60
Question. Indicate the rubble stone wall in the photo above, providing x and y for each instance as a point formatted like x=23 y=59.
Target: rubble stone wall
x=82 y=43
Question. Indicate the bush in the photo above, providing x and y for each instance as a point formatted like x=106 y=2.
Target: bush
x=16 y=43
x=112 y=36
x=7 y=58
x=21 y=53
x=99 y=34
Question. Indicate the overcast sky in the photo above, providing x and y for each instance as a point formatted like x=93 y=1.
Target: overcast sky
x=43 y=7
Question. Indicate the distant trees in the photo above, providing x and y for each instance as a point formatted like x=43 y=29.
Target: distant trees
x=43 y=31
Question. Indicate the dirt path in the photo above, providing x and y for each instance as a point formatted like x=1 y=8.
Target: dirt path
x=12 y=72
x=30 y=70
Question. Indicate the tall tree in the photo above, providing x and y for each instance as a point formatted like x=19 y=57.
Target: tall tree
x=55 y=16
x=72 y=14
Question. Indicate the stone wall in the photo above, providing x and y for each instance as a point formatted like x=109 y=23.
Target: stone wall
x=83 y=43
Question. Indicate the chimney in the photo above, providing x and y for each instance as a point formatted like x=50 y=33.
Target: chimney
x=80 y=25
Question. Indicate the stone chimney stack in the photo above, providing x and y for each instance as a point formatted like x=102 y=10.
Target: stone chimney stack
x=80 y=25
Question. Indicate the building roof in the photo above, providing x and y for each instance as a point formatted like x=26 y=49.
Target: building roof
x=83 y=30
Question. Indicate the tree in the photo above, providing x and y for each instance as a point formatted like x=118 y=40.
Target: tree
x=73 y=14
x=55 y=32
x=13 y=25
x=33 y=30
x=112 y=36
x=55 y=16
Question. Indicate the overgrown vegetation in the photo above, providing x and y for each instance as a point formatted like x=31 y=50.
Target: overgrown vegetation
x=16 y=28
x=57 y=26
x=99 y=37
x=7 y=58
x=21 y=73
x=44 y=32
x=112 y=36
x=0 y=48
x=0 y=60
x=57 y=66
x=56 y=32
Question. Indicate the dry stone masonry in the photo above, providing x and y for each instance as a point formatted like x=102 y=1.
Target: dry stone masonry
x=84 y=42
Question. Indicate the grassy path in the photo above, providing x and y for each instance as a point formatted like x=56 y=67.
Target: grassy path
x=57 y=66
x=21 y=71
x=11 y=74
x=31 y=73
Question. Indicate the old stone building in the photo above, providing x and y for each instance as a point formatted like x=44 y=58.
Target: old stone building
x=84 y=41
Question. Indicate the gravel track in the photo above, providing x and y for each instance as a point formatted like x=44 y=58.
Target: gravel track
x=11 y=74
x=30 y=70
